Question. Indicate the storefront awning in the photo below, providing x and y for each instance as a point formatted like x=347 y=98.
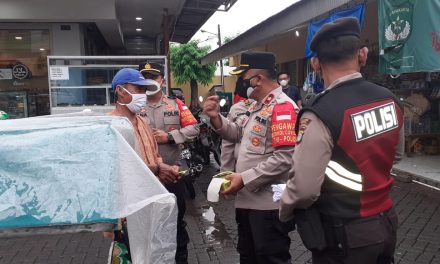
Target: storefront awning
x=291 y=17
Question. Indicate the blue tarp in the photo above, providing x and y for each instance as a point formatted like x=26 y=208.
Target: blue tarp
x=356 y=11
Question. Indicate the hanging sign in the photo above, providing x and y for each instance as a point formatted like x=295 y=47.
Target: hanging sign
x=409 y=32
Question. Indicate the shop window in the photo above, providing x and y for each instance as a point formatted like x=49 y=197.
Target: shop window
x=23 y=72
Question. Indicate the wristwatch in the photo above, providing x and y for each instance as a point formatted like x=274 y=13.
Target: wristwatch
x=170 y=139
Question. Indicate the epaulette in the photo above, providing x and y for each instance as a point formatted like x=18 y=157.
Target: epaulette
x=311 y=98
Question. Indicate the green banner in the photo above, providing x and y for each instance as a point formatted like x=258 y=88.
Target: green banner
x=409 y=36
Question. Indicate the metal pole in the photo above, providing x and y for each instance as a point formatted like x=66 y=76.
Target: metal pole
x=222 y=77
x=166 y=42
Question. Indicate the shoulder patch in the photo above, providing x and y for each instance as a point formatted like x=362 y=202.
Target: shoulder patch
x=283 y=125
x=303 y=124
x=186 y=117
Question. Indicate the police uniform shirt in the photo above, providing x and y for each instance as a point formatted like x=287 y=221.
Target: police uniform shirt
x=172 y=116
x=312 y=155
x=229 y=153
x=267 y=143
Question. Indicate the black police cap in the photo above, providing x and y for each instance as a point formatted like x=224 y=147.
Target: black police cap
x=255 y=60
x=152 y=68
x=347 y=26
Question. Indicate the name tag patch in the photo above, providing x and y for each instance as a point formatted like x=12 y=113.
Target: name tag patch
x=374 y=121
x=261 y=120
x=174 y=113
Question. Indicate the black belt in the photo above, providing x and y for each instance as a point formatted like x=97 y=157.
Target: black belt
x=338 y=220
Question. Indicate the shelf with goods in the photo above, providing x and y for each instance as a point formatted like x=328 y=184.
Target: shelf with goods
x=420 y=95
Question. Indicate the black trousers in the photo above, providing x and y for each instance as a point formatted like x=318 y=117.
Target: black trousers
x=363 y=241
x=262 y=238
x=178 y=189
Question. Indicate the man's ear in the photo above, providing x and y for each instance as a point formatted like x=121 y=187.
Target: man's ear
x=316 y=65
x=363 y=55
x=118 y=89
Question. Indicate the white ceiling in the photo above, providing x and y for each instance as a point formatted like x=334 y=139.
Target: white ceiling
x=114 y=18
x=151 y=11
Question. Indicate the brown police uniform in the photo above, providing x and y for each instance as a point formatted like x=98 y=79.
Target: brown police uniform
x=264 y=158
x=343 y=171
x=229 y=153
x=172 y=116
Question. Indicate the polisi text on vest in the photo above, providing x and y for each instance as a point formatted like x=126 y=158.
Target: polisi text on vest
x=374 y=121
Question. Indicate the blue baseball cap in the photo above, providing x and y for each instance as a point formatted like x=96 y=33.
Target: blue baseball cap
x=131 y=76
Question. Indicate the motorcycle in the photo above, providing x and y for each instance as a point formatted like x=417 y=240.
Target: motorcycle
x=193 y=165
x=208 y=141
x=196 y=153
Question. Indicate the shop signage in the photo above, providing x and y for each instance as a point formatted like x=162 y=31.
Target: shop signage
x=5 y=74
x=59 y=73
x=20 y=71
x=15 y=83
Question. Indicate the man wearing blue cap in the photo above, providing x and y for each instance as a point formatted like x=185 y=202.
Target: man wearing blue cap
x=347 y=141
x=130 y=86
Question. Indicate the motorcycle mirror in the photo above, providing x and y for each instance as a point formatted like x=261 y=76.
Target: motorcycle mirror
x=201 y=99
x=222 y=102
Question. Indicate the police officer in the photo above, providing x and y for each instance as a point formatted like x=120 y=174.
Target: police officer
x=173 y=124
x=264 y=158
x=347 y=142
x=229 y=151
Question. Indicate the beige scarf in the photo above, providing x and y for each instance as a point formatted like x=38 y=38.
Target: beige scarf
x=147 y=144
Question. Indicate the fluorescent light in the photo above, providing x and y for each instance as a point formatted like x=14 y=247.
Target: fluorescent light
x=18 y=38
x=138 y=18
x=297 y=33
x=139 y=29
x=42 y=49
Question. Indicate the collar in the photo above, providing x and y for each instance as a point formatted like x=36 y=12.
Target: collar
x=345 y=78
x=162 y=101
x=268 y=99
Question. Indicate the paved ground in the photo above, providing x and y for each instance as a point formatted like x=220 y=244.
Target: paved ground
x=418 y=238
x=62 y=249
x=214 y=236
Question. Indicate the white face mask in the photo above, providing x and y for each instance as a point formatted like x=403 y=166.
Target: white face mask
x=249 y=91
x=153 y=88
x=138 y=101
x=283 y=82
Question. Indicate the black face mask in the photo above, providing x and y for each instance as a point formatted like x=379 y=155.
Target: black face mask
x=247 y=85
x=247 y=82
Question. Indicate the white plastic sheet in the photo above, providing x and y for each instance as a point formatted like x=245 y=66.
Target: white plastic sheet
x=83 y=169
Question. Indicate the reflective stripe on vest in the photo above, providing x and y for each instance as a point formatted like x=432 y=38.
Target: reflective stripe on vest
x=342 y=176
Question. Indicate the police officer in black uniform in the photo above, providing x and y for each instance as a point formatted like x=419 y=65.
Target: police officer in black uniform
x=347 y=141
